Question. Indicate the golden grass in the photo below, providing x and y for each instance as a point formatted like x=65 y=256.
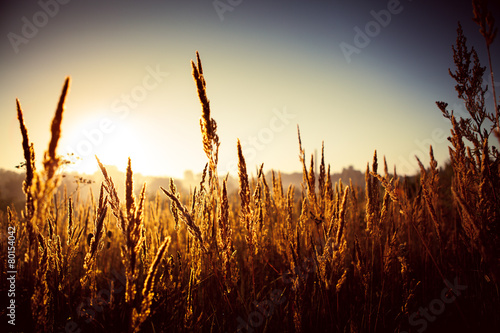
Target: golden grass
x=326 y=257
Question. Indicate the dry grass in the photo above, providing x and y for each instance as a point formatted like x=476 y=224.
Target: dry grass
x=324 y=258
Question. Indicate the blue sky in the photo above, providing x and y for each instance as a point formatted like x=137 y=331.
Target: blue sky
x=268 y=65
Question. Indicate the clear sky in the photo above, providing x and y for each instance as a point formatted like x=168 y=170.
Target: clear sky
x=269 y=65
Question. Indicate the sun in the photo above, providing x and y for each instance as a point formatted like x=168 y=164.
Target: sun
x=112 y=142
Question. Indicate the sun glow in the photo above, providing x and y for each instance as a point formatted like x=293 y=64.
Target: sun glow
x=114 y=141
x=110 y=141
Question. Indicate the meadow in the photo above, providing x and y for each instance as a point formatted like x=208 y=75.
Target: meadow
x=328 y=256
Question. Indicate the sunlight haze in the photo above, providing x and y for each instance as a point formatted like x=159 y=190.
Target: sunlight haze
x=269 y=67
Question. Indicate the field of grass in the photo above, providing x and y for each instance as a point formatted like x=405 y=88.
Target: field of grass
x=325 y=257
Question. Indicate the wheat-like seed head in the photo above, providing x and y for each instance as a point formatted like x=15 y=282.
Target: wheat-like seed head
x=148 y=289
x=207 y=123
x=244 y=191
x=129 y=193
x=187 y=218
x=485 y=19
x=114 y=200
x=51 y=161
x=342 y=216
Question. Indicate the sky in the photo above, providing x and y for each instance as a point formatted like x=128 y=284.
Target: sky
x=359 y=75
